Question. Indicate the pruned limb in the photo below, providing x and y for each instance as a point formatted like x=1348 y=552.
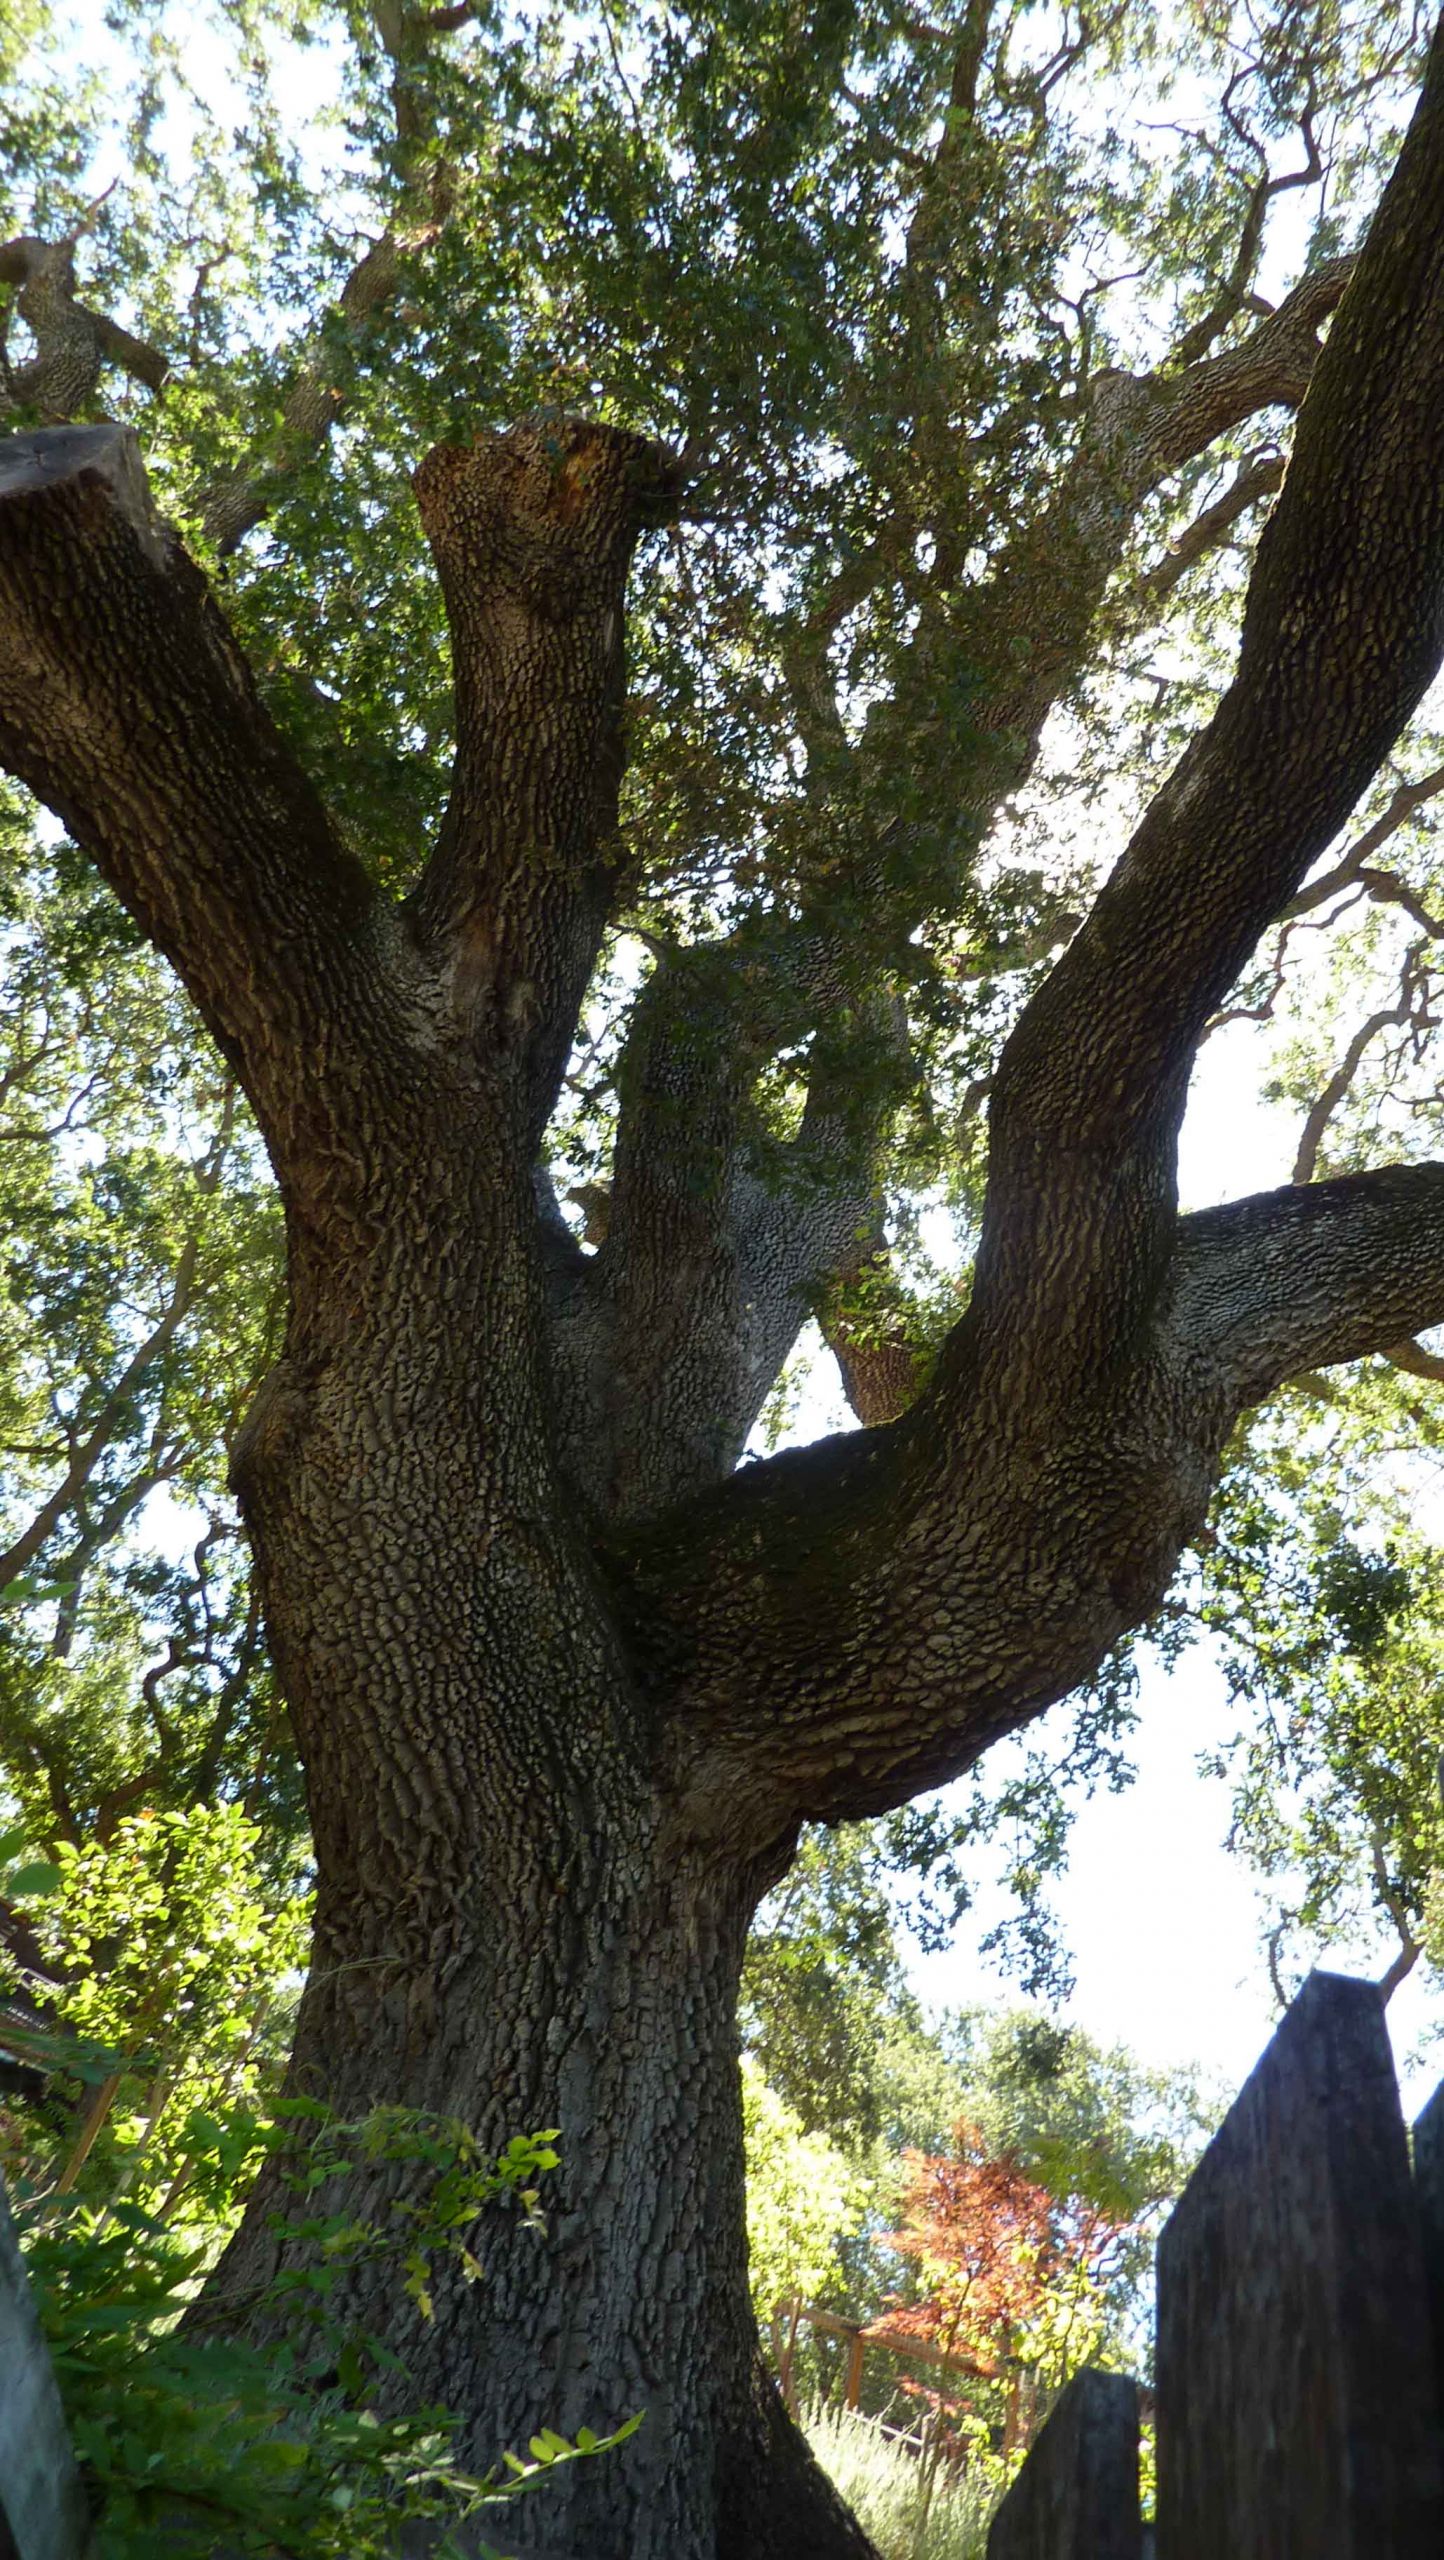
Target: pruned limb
x=532 y=532
x=126 y=706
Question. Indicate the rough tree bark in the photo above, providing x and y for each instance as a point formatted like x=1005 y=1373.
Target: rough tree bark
x=563 y=1709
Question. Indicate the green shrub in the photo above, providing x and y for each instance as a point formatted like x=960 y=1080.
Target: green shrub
x=277 y=2455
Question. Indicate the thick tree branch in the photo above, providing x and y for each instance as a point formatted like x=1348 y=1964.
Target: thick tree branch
x=1026 y=626
x=717 y=1237
x=1033 y=615
x=1308 y=1276
x=127 y=707
x=911 y=1593
x=73 y=345
x=532 y=532
x=1414 y=1360
x=1092 y=1084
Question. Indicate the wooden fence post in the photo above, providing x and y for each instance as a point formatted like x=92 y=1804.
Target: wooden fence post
x=1296 y=2406
x=43 y=2514
x=1076 y=2497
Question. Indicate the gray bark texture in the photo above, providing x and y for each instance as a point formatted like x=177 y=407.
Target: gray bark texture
x=565 y=1685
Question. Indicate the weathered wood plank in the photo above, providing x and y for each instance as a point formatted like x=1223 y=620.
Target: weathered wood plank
x=1429 y=2188
x=42 y=2503
x=1296 y=2408
x=1076 y=2497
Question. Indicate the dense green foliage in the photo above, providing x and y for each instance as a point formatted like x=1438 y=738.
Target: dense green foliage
x=192 y=2437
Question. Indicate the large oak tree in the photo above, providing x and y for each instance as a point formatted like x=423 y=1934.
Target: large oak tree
x=565 y=1682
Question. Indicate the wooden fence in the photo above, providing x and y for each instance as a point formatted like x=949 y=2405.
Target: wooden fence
x=1300 y=2332
x=43 y=2514
x=863 y=2338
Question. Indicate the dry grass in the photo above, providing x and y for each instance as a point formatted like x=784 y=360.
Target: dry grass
x=882 y=2482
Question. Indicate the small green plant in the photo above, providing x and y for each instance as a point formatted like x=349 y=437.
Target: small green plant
x=278 y=2454
x=152 y=1968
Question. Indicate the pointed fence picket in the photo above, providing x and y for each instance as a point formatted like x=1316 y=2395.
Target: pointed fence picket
x=43 y=2513
x=1300 y=2332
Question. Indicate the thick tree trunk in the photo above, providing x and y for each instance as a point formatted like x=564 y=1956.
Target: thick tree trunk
x=512 y=1930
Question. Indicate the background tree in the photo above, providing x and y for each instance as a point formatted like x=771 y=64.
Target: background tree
x=832 y=294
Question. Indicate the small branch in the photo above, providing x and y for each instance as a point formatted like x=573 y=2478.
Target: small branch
x=1409 y=798
x=21 y=1554
x=1392 y=1902
x=233 y=505
x=1341 y=1081
x=1234 y=294
x=1255 y=480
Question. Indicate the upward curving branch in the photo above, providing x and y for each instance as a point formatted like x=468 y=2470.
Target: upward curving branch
x=1343 y=632
x=127 y=707
x=913 y=1592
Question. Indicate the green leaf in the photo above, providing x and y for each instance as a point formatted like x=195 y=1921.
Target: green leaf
x=32 y=1883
